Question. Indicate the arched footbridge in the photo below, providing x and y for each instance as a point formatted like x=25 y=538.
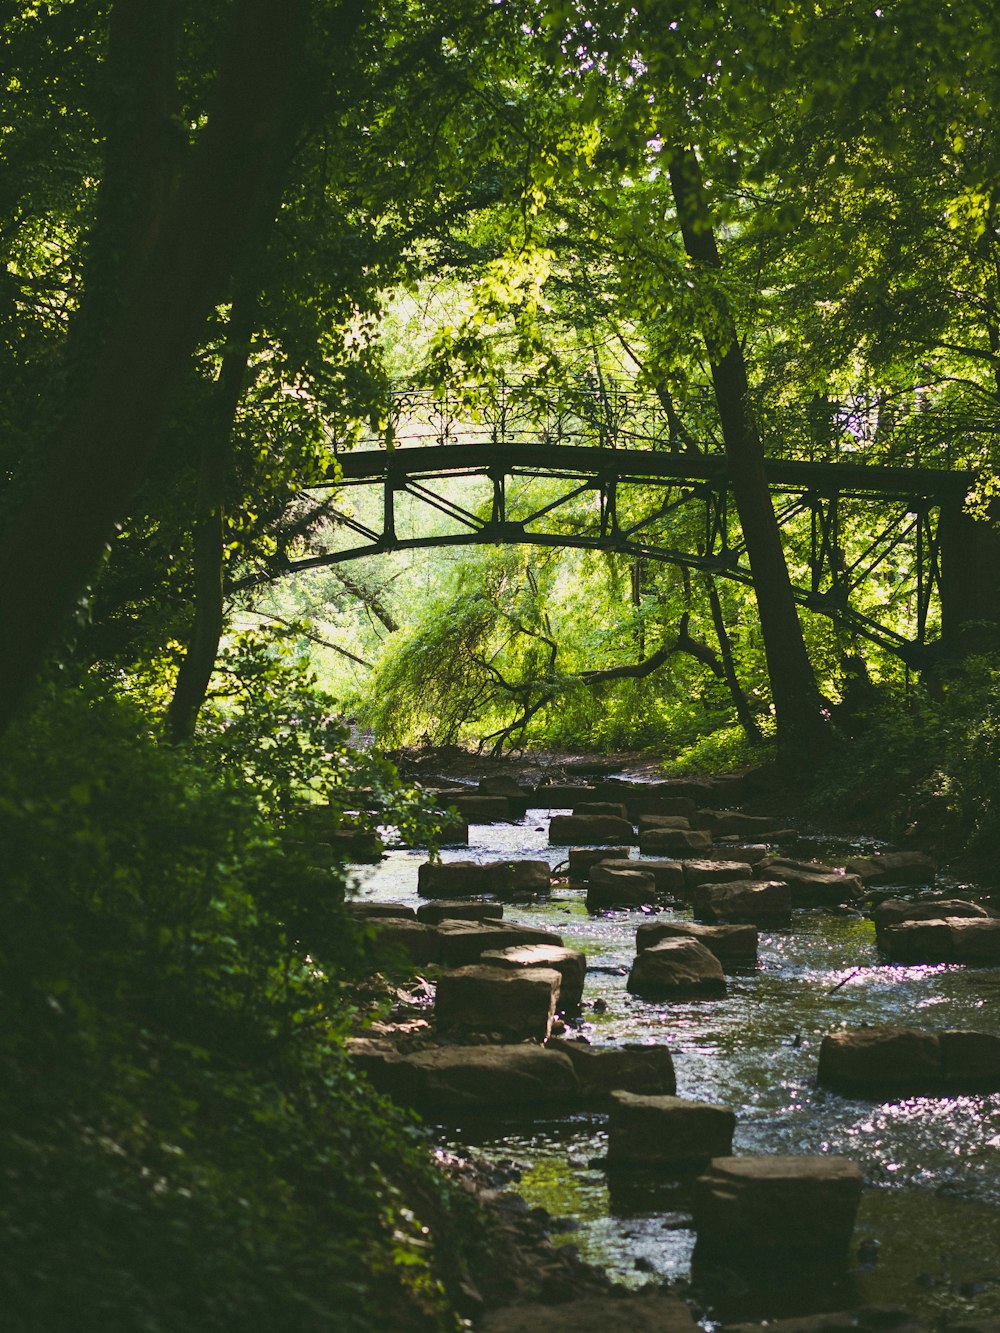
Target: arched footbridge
x=883 y=550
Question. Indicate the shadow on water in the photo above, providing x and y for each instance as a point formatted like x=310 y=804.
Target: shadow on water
x=928 y=1233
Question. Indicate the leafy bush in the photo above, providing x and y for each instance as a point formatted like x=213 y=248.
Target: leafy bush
x=185 y=1144
x=722 y=751
x=927 y=761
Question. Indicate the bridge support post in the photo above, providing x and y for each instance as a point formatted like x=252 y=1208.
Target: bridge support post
x=970 y=581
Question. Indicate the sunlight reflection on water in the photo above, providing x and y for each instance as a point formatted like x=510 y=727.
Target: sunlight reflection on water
x=933 y=1164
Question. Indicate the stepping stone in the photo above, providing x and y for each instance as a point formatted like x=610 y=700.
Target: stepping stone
x=475 y=809
x=412 y=941
x=811 y=888
x=713 y=872
x=668 y=876
x=673 y=841
x=446 y=910
x=619 y=886
x=368 y=910
x=455 y=835
x=642 y=803
x=894 y=868
x=735 y=946
x=462 y=1078
x=647 y=822
x=582 y=858
x=464 y=942
x=970 y=1059
x=903 y=1060
x=560 y=796
x=518 y=1003
x=571 y=966
x=748 y=1207
x=504 y=879
x=354 y=845
x=617 y=811
x=667 y=1131
x=884 y=1057
x=676 y=967
x=950 y=940
x=517 y=797
x=722 y=823
x=635 y=1312
x=894 y=911
x=630 y=1067
x=767 y=903
x=565 y=830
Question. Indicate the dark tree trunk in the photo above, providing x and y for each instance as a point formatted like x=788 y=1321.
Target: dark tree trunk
x=801 y=722
x=741 y=703
x=102 y=450
x=203 y=646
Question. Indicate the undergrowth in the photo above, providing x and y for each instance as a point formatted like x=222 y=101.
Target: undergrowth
x=185 y=1145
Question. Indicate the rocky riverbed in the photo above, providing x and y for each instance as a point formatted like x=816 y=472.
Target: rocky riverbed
x=927 y=1139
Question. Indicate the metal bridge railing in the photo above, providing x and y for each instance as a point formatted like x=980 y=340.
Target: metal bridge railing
x=609 y=412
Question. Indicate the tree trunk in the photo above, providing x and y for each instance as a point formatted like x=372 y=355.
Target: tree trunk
x=801 y=722
x=741 y=703
x=203 y=646
x=102 y=450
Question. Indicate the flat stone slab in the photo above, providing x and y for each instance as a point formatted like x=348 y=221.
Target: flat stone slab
x=463 y=879
x=676 y=967
x=894 y=911
x=712 y=871
x=582 y=858
x=668 y=875
x=567 y=829
x=894 y=868
x=673 y=841
x=464 y=942
x=369 y=911
x=735 y=946
x=649 y=803
x=757 y=902
x=462 y=1078
x=613 y=808
x=569 y=963
x=722 y=823
x=904 y=1060
x=404 y=939
x=630 y=1067
x=513 y=1002
x=638 y=1312
x=749 y=1206
x=647 y=822
x=563 y=796
x=621 y=885
x=667 y=1131
x=954 y=939
x=445 y=910
x=815 y=888
x=477 y=809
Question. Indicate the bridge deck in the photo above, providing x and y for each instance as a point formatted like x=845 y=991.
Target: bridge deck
x=638 y=465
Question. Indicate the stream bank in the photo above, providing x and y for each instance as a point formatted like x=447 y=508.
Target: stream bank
x=928 y=1235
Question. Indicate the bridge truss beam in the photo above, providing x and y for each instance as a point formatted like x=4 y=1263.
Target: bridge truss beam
x=844 y=525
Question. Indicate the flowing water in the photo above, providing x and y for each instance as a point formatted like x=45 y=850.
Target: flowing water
x=928 y=1234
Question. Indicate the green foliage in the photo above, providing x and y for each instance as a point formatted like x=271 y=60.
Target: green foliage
x=184 y=1143
x=926 y=762
x=725 y=750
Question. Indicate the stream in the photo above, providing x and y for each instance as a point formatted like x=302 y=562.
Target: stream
x=928 y=1232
